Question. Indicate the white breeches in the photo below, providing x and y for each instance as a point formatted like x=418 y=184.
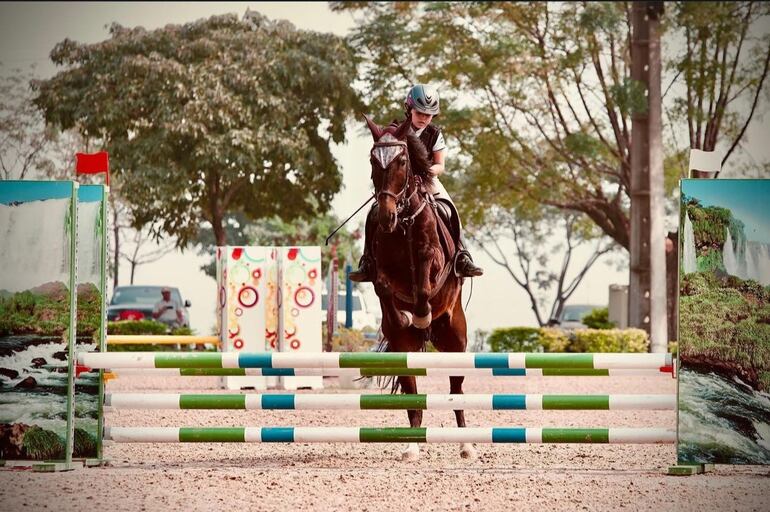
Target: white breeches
x=436 y=188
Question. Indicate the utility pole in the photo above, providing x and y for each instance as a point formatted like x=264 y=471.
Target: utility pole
x=647 y=282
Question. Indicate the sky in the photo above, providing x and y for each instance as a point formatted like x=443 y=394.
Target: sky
x=748 y=200
x=28 y=32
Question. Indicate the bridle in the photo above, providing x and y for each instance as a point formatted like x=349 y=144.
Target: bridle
x=401 y=199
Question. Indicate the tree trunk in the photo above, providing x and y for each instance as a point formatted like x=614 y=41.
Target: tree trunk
x=220 y=235
x=672 y=283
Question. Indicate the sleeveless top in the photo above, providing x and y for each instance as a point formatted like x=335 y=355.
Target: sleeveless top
x=429 y=136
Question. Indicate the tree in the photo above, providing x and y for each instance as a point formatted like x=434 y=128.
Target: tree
x=210 y=118
x=23 y=137
x=723 y=67
x=529 y=262
x=538 y=97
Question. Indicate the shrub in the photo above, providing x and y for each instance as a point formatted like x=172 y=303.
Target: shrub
x=609 y=340
x=137 y=327
x=553 y=340
x=599 y=318
x=515 y=339
x=350 y=340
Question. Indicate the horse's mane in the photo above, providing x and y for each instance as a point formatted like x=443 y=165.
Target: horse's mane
x=418 y=155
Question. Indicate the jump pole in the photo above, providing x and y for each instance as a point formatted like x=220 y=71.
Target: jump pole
x=481 y=402
x=388 y=435
x=131 y=339
x=609 y=361
x=375 y=372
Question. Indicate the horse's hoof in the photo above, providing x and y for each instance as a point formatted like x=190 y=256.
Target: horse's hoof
x=467 y=451
x=412 y=453
x=422 y=322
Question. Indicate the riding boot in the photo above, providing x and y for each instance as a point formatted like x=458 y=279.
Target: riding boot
x=365 y=272
x=464 y=266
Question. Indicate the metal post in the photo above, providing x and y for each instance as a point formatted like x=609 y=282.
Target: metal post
x=348 y=296
x=647 y=282
x=279 y=332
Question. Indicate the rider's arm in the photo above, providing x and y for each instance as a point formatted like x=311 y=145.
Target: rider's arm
x=437 y=169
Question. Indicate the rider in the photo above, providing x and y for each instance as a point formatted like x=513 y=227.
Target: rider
x=421 y=106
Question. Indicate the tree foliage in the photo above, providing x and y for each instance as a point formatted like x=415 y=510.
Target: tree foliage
x=538 y=97
x=723 y=67
x=210 y=118
x=23 y=138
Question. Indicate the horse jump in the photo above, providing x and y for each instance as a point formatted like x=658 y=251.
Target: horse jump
x=511 y=364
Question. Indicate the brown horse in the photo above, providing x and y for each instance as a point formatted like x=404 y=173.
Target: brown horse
x=419 y=292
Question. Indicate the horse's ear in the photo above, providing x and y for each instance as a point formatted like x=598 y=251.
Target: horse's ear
x=403 y=129
x=376 y=130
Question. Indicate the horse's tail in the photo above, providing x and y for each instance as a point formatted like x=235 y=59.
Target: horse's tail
x=386 y=381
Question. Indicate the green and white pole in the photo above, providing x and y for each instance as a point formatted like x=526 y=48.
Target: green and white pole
x=375 y=372
x=481 y=402
x=603 y=361
x=388 y=435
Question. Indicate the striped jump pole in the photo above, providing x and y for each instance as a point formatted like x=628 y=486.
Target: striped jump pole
x=597 y=361
x=388 y=435
x=375 y=372
x=482 y=402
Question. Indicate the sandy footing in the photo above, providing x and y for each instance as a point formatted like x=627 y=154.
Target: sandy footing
x=369 y=477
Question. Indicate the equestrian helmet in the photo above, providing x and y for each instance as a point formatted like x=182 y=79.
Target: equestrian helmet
x=423 y=98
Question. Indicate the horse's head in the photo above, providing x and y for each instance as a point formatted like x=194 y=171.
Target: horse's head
x=390 y=170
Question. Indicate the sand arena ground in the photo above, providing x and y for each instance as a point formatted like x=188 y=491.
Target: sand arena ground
x=368 y=477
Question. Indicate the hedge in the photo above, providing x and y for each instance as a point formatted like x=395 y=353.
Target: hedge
x=549 y=339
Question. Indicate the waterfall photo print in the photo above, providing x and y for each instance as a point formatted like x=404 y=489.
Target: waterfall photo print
x=724 y=322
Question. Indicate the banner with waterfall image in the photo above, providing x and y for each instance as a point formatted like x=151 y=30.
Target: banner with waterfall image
x=91 y=316
x=37 y=319
x=724 y=322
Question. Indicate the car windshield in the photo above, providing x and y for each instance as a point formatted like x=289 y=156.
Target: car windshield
x=141 y=295
x=575 y=313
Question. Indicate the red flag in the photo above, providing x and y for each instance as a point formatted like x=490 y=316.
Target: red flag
x=93 y=163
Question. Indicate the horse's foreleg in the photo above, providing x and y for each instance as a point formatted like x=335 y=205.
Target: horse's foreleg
x=467 y=451
x=422 y=310
x=409 y=386
x=391 y=315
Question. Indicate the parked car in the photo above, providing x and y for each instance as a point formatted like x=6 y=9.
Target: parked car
x=572 y=316
x=137 y=302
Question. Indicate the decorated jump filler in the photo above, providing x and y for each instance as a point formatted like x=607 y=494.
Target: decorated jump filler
x=268 y=301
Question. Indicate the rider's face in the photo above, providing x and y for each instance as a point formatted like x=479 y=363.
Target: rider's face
x=420 y=120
